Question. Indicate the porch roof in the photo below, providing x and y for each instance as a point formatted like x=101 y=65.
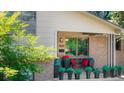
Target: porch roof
x=117 y=28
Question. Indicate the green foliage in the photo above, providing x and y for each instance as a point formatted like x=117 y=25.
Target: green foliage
x=88 y=69
x=97 y=70
x=118 y=18
x=62 y=70
x=106 y=68
x=19 y=50
x=78 y=71
x=90 y=59
x=70 y=69
x=119 y=67
x=114 y=68
x=57 y=62
x=102 y=14
x=66 y=60
x=8 y=72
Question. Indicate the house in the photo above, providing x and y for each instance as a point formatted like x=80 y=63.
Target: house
x=78 y=34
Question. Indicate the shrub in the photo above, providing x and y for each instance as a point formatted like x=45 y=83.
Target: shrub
x=57 y=62
x=77 y=71
x=62 y=70
x=106 y=68
x=70 y=69
x=19 y=50
x=8 y=72
x=66 y=60
x=88 y=69
x=119 y=67
x=114 y=68
x=97 y=71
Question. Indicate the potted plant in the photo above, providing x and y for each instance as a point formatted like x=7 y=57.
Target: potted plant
x=113 y=71
x=66 y=62
x=119 y=70
x=91 y=62
x=61 y=73
x=97 y=73
x=106 y=71
x=88 y=71
x=57 y=65
x=77 y=74
x=70 y=72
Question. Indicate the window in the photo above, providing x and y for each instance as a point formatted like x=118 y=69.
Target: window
x=118 y=44
x=77 y=46
x=29 y=17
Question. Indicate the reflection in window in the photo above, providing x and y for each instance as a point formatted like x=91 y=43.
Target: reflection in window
x=77 y=47
x=83 y=47
x=71 y=46
x=118 y=44
x=28 y=17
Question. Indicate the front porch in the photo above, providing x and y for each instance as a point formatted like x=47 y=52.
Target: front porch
x=78 y=45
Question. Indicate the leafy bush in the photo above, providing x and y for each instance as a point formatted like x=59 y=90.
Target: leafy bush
x=57 y=62
x=88 y=69
x=70 y=69
x=90 y=59
x=119 y=67
x=62 y=70
x=19 y=50
x=8 y=72
x=114 y=68
x=66 y=60
x=106 y=68
x=97 y=70
x=77 y=71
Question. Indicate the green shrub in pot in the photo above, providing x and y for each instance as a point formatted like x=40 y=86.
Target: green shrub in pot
x=91 y=62
x=61 y=73
x=119 y=70
x=114 y=71
x=57 y=65
x=66 y=62
x=70 y=71
x=97 y=72
x=77 y=73
x=106 y=71
x=88 y=71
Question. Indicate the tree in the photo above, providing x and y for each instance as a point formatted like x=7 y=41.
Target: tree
x=102 y=14
x=19 y=50
x=118 y=18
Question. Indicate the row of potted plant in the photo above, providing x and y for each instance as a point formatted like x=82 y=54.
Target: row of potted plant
x=70 y=72
x=107 y=72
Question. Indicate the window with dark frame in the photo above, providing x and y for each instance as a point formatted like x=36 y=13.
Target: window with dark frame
x=77 y=46
x=118 y=44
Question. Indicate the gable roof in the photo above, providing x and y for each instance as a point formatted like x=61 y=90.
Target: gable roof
x=116 y=27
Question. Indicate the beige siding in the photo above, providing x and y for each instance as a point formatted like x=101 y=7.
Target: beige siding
x=48 y=23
